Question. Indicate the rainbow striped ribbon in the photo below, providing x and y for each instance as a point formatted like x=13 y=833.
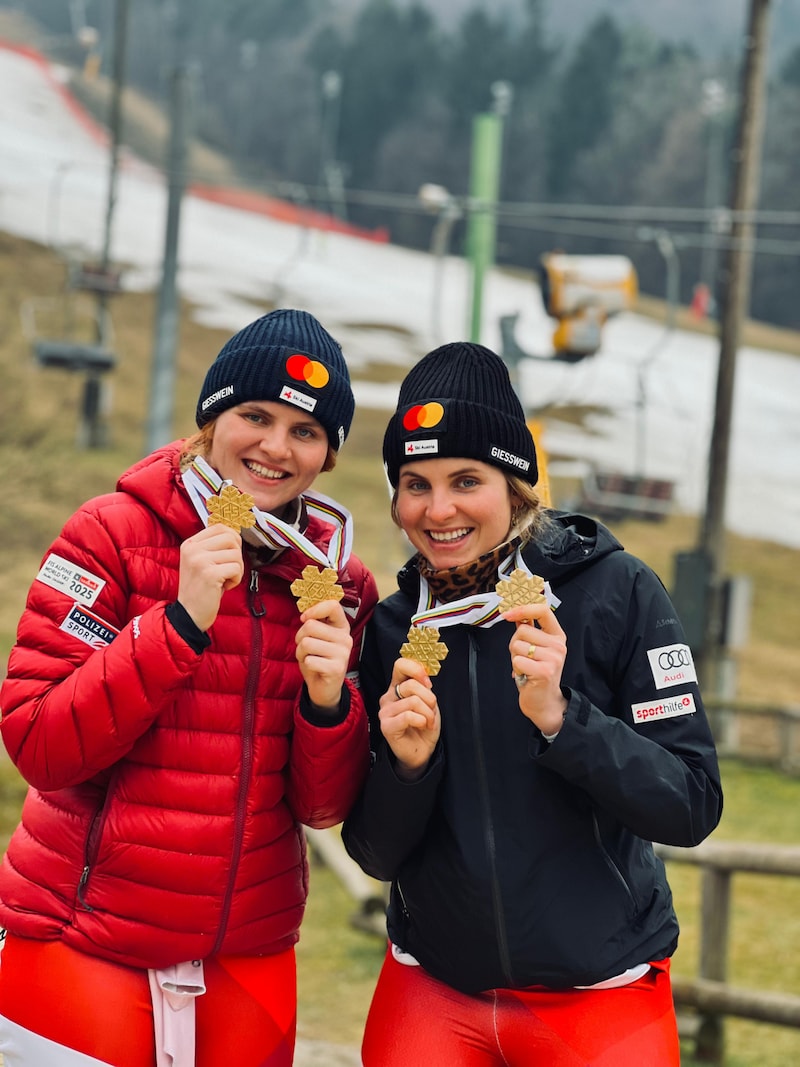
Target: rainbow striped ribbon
x=481 y=609
x=202 y=481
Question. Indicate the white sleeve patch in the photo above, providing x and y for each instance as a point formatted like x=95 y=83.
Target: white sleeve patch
x=668 y=708
x=88 y=627
x=671 y=665
x=80 y=585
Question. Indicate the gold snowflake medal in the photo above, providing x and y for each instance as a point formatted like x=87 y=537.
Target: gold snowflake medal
x=317 y=584
x=231 y=508
x=424 y=646
x=520 y=588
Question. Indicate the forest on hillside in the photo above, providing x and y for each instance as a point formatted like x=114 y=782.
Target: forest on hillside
x=354 y=107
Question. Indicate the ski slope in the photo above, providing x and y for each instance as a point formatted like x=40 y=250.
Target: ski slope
x=389 y=304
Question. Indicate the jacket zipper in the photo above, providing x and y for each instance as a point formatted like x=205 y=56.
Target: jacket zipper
x=403 y=905
x=483 y=787
x=91 y=847
x=81 y=888
x=257 y=611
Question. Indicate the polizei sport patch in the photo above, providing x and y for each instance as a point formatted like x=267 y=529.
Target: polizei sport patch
x=668 y=708
x=79 y=584
x=88 y=627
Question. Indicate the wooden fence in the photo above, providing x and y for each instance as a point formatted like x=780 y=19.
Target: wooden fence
x=703 y=1002
x=757 y=733
x=709 y=996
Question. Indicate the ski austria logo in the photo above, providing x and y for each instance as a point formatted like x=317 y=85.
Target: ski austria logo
x=311 y=371
x=671 y=665
x=423 y=417
x=668 y=708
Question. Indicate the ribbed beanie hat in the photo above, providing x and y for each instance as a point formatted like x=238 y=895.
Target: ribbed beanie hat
x=286 y=355
x=459 y=401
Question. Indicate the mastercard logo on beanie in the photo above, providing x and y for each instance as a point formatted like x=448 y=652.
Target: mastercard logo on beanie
x=423 y=417
x=303 y=369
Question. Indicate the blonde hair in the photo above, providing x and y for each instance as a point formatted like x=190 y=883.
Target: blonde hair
x=530 y=517
x=199 y=444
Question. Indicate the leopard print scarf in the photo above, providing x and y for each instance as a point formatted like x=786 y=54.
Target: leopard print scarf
x=468 y=579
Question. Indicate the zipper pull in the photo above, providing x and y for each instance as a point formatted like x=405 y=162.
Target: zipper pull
x=256 y=605
x=81 y=886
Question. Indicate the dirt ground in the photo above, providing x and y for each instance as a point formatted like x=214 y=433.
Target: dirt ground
x=323 y=1054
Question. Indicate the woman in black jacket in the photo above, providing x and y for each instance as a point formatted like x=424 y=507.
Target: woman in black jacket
x=527 y=752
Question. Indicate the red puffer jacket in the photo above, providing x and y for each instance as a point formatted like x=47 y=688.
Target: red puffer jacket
x=168 y=787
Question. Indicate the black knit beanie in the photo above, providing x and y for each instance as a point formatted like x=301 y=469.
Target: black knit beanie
x=286 y=355
x=459 y=401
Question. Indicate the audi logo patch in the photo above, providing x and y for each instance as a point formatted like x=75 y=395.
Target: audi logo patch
x=671 y=665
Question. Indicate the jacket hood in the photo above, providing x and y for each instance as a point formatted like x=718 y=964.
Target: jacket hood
x=155 y=481
x=570 y=543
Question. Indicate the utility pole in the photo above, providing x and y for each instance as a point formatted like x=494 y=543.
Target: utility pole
x=735 y=303
x=92 y=432
x=162 y=381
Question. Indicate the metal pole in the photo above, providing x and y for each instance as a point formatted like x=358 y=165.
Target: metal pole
x=666 y=247
x=162 y=386
x=484 y=186
x=713 y=107
x=91 y=430
x=735 y=301
x=330 y=183
x=440 y=242
x=115 y=122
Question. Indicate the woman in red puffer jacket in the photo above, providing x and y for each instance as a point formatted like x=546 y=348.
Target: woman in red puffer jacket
x=178 y=720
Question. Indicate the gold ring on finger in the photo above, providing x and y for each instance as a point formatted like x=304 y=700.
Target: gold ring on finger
x=531 y=651
x=397 y=692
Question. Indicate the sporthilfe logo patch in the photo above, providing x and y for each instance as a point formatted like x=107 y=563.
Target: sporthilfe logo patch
x=667 y=708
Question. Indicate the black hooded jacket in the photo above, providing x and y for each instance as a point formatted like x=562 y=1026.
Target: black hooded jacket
x=517 y=862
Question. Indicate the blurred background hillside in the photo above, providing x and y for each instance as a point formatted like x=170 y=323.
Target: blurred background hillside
x=627 y=105
x=349 y=106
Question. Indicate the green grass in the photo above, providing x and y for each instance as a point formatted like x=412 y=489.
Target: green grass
x=764 y=949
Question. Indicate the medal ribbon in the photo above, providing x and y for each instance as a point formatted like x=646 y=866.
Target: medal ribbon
x=202 y=481
x=481 y=609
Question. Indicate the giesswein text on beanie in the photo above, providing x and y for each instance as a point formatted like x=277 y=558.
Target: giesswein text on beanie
x=286 y=355
x=459 y=401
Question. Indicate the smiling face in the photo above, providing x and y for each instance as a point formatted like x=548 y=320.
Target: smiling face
x=453 y=510
x=272 y=451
